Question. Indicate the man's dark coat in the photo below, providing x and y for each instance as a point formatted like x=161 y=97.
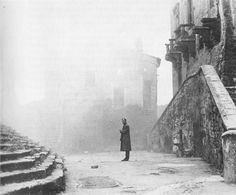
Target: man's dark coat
x=125 y=144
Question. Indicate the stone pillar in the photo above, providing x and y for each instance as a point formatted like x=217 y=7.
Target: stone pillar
x=177 y=76
x=229 y=155
x=175 y=79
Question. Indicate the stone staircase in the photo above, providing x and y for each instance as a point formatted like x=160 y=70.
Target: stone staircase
x=26 y=167
x=232 y=92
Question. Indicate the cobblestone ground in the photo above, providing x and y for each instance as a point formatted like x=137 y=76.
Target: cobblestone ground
x=145 y=173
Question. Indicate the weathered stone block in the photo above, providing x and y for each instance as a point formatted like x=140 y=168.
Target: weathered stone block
x=229 y=152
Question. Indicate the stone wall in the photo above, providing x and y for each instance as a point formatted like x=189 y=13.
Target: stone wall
x=201 y=111
x=202 y=32
x=178 y=115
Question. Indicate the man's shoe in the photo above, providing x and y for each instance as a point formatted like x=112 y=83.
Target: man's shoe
x=124 y=159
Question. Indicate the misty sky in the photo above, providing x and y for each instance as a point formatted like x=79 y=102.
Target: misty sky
x=47 y=34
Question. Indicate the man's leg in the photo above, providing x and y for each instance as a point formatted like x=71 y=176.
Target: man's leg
x=127 y=155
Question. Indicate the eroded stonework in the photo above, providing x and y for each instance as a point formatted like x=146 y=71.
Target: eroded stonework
x=196 y=118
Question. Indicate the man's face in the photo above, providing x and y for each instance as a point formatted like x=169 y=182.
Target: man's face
x=123 y=121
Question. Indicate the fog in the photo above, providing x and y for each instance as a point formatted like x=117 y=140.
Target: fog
x=61 y=59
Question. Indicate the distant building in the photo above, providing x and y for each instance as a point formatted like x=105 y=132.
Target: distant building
x=118 y=97
x=135 y=80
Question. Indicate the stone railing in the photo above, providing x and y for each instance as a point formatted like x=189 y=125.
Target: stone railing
x=195 y=119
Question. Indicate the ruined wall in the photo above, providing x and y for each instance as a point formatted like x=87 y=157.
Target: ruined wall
x=178 y=115
x=203 y=110
x=211 y=127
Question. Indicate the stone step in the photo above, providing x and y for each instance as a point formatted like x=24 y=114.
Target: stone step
x=26 y=167
x=14 y=145
x=15 y=138
x=4 y=140
x=8 y=134
x=41 y=156
x=49 y=185
x=29 y=146
x=230 y=87
x=15 y=141
x=232 y=91
x=4 y=156
x=233 y=96
x=5 y=146
x=10 y=138
x=23 y=163
x=38 y=172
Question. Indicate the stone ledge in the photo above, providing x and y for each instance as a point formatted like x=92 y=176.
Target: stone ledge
x=6 y=155
x=39 y=172
x=221 y=97
x=23 y=163
x=50 y=185
x=229 y=132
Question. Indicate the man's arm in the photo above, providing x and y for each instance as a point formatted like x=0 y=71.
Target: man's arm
x=125 y=130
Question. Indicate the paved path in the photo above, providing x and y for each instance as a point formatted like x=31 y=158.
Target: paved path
x=145 y=173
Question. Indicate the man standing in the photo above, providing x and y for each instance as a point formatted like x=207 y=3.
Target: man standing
x=125 y=144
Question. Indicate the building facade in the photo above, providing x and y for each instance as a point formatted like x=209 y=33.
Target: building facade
x=135 y=80
x=202 y=32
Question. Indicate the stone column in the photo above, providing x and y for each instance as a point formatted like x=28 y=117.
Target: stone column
x=175 y=79
x=177 y=76
x=229 y=155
